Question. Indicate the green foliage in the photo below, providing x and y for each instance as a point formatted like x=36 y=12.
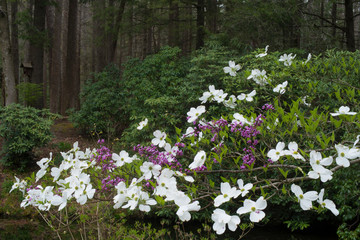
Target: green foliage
x=29 y=93
x=156 y=88
x=102 y=111
x=22 y=129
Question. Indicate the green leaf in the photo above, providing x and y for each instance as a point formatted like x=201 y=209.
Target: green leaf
x=283 y=172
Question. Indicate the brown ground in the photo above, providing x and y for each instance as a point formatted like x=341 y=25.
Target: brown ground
x=63 y=131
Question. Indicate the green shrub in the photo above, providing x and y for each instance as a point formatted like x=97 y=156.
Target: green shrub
x=101 y=109
x=22 y=129
x=29 y=93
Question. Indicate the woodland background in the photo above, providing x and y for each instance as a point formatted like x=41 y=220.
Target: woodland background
x=50 y=47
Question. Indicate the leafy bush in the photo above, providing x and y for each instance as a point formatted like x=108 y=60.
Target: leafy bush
x=29 y=93
x=101 y=109
x=22 y=129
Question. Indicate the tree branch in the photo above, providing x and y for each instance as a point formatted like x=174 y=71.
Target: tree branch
x=326 y=20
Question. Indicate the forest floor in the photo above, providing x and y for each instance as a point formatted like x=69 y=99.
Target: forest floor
x=64 y=136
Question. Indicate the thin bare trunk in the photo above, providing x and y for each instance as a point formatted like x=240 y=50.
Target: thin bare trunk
x=7 y=59
x=37 y=48
x=71 y=82
x=200 y=21
x=349 y=25
x=56 y=62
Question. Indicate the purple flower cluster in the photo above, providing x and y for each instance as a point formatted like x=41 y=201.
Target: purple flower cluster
x=103 y=158
x=163 y=158
x=267 y=107
x=247 y=132
x=108 y=182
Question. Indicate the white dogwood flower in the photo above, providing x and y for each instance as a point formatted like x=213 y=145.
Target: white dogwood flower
x=259 y=77
x=244 y=189
x=247 y=97
x=142 y=124
x=263 y=54
x=275 y=154
x=255 y=209
x=305 y=199
x=343 y=110
x=209 y=95
x=344 y=154
x=281 y=87
x=232 y=68
x=327 y=203
x=160 y=138
x=221 y=218
x=194 y=113
x=227 y=193
x=287 y=59
x=199 y=160
x=150 y=169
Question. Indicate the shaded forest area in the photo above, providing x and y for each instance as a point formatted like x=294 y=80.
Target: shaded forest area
x=50 y=47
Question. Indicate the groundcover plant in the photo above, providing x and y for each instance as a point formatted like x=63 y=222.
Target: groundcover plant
x=230 y=165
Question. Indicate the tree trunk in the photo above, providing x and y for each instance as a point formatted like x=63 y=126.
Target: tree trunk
x=200 y=21
x=173 y=25
x=212 y=15
x=349 y=26
x=56 y=60
x=15 y=40
x=71 y=82
x=37 y=48
x=99 y=36
x=333 y=21
x=7 y=59
x=116 y=29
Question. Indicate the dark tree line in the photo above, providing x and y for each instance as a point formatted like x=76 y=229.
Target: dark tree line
x=53 y=45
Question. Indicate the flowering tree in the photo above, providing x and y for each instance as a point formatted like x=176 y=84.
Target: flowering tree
x=232 y=164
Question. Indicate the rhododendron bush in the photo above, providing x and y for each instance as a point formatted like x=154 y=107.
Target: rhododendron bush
x=231 y=165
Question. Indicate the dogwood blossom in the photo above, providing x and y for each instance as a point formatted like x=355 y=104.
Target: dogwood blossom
x=304 y=101
x=199 y=160
x=287 y=59
x=160 y=138
x=239 y=118
x=322 y=173
x=185 y=207
x=142 y=124
x=305 y=199
x=244 y=189
x=317 y=162
x=327 y=203
x=263 y=54
x=220 y=96
x=232 y=68
x=194 y=113
x=294 y=151
x=281 y=87
x=121 y=159
x=343 y=110
x=227 y=193
x=21 y=185
x=308 y=59
x=221 y=218
x=275 y=154
x=209 y=95
x=60 y=201
x=259 y=77
x=247 y=97
x=231 y=102
x=255 y=209
x=344 y=154
x=150 y=169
